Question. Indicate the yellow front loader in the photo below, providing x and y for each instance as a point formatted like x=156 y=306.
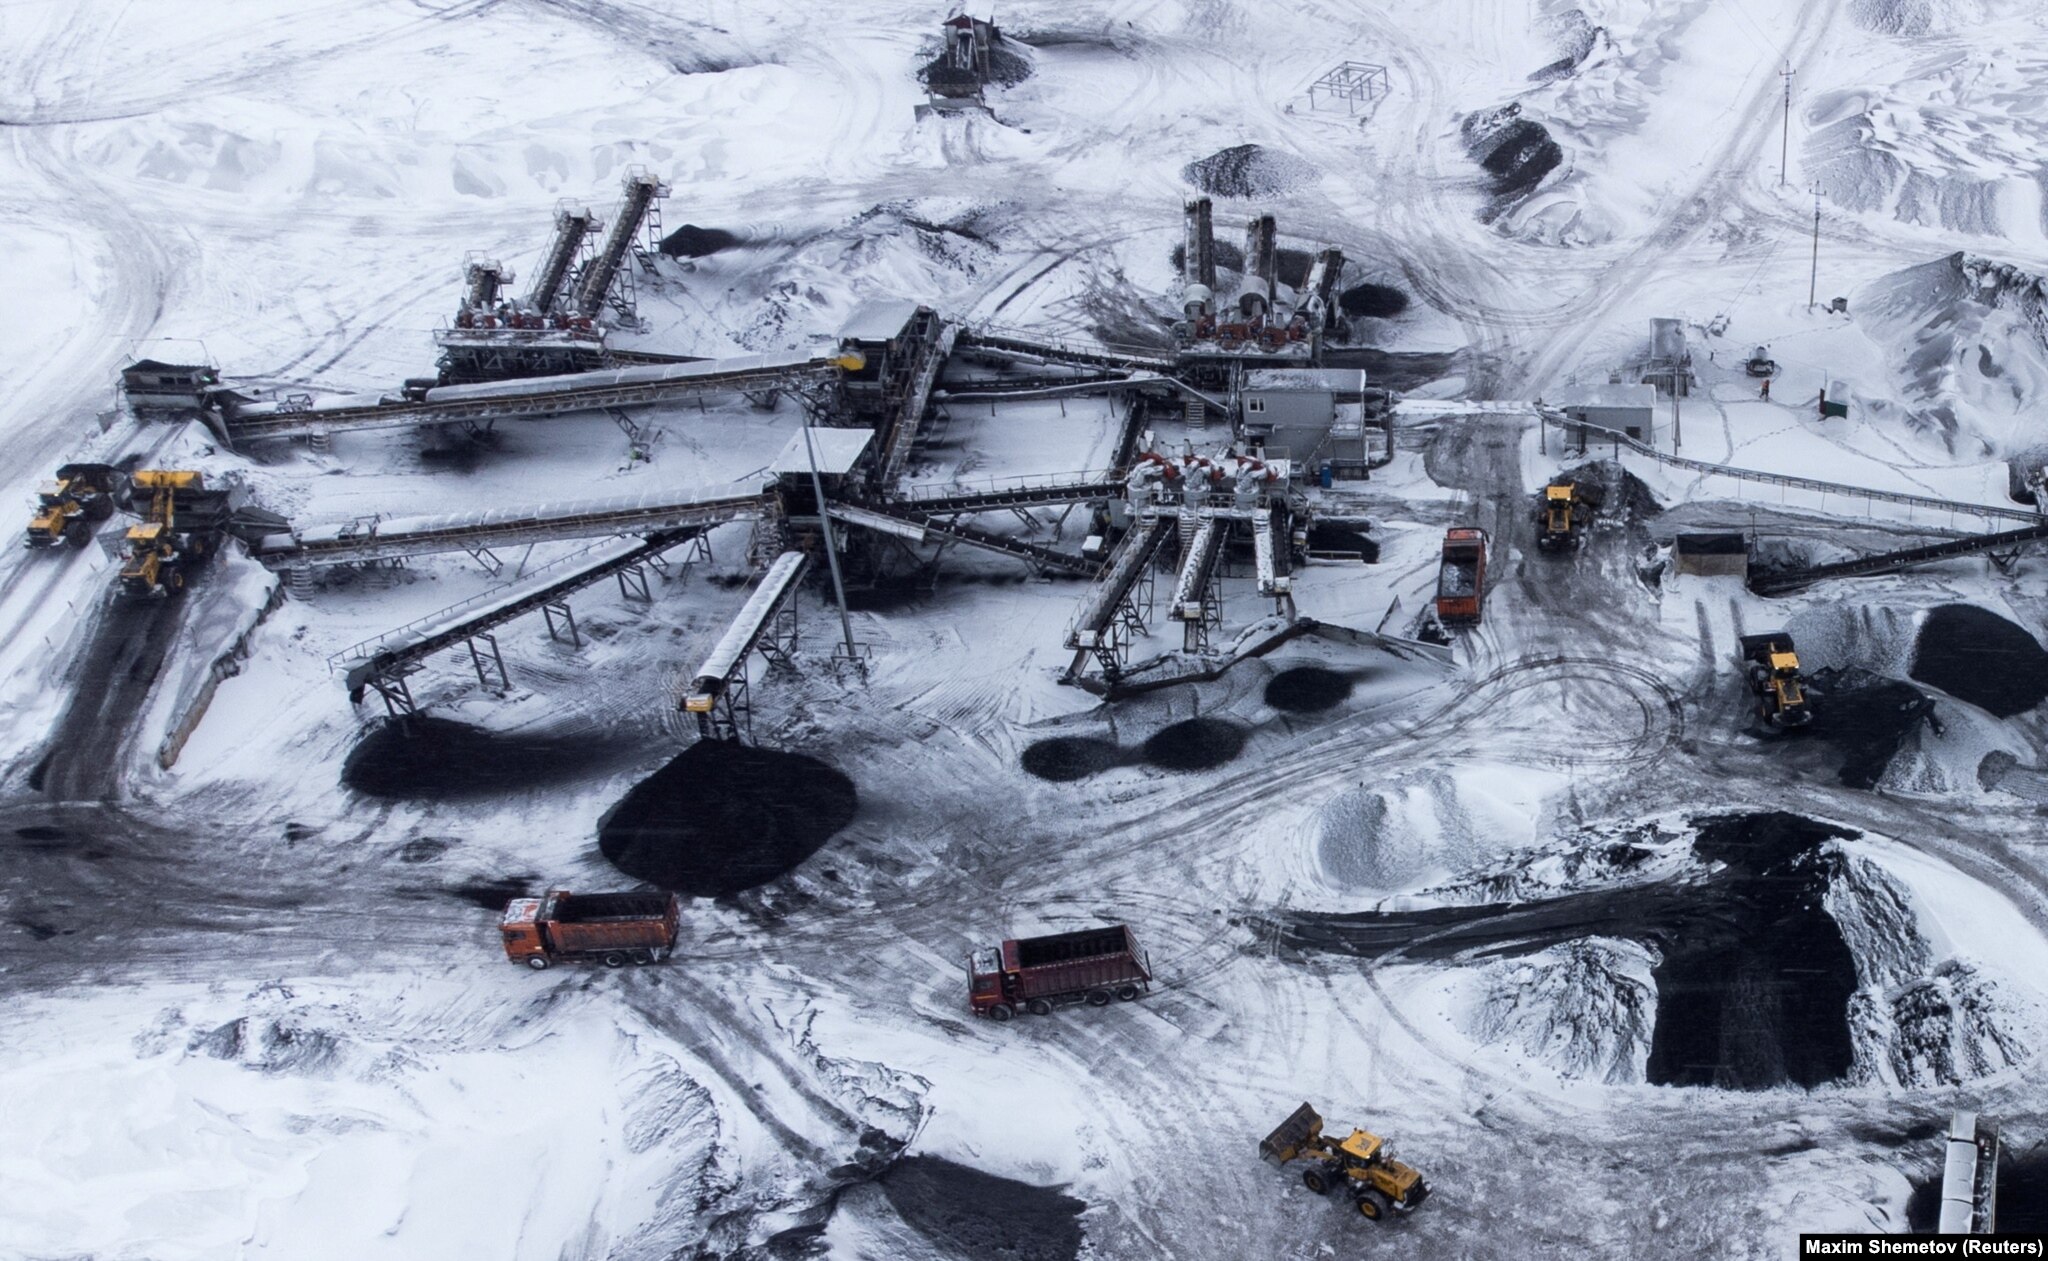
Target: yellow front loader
x=1358 y=1166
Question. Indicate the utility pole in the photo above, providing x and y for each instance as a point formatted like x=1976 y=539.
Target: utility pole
x=1677 y=435
x=1813 y=281
x=1785 y=141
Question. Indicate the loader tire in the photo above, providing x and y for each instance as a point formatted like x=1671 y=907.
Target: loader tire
x=1316 y=1181
x=1039 y=1007
x=1370 y=1207
x=538 y=963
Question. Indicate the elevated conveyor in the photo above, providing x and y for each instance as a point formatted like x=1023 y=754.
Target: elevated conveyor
x=527 y=397
x=391 y=655
x=909 y=419
x=1025 y=494
x=572 y=225
x=597 y=278
x=1110 y=593
x=1271 y=581
x=1091 y=354
x=355 y=542
x=1198 y=568
x=718 y=690
x=916 y=526
x=1890 y=562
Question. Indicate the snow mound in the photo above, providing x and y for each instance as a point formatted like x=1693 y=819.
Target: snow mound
x=1584 y=1008
x=1599 y=856
x=1969 y=340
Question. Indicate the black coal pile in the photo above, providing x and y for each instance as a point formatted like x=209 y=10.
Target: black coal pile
x=1247 y=170
x=968 y=1213
x=493 y=894
x=1754 y=981
x=422 y=758
x=1515 y=152
x=724 y=817
x=1194 y=745
x=1868 y=718
x=691 y=241
x=1066 y=758
x=1308 y=689
x=1376 y=301
x=1979 y=657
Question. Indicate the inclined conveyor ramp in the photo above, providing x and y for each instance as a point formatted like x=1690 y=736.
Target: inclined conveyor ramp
x=358 y=542
x=1891 y=562
x=529 y=398
x=916 y=526
x=767 y=622
x=1111 y=591
x=384 y=661
x=1198 y=568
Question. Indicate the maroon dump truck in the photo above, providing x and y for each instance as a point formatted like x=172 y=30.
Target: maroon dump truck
x=1461 y=581
x=1041 y=973
x=617 y=928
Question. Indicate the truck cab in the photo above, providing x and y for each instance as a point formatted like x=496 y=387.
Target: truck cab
x=521 y=930
x=984 y=980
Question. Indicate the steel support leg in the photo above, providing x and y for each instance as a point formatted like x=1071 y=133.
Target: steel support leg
x=560 y=608
x=497 y=659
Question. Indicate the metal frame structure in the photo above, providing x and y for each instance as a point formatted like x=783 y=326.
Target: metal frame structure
x=1353 y=83
x=719 y=695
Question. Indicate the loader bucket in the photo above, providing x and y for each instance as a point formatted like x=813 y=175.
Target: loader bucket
x=1286 y=1142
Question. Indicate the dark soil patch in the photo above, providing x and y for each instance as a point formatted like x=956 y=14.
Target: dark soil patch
x=1868 y=717
x=424 y=849
x=1194 y=745
x=723 y=817
x=492 y=895
x=1308 y=690
x=1754 y=983
x=1377 y=301
x=2022 y=1193
x=423 y=758
x=1247 y=170
x=1066 y=758
x=1291 y=266
x=1394 y=370
x=1979 y=657
x=691 y=241
x=1228 y=257
x=968 y=1213
x=39 y=832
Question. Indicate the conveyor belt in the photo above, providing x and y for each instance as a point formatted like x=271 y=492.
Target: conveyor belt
x=747 y=627
x=1889 y=562
x=1137 y=549
x=916 y=525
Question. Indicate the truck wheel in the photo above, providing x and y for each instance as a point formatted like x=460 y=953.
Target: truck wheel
x=1000 y=1012
x=643 y=956
x=1039 y=1007
x=1316 y=1180
x=1125 y=993
x=1369 y=1205
x=1098 y=998
x=538 y=963
x=615 y=960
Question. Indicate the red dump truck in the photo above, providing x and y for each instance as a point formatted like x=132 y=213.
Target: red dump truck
x=1041 y=973
x=617 y=928
x=1461 y=581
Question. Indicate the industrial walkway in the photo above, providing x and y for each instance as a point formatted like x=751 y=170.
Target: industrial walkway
x=1091 y=354
x=527 y=397
x=357 y=542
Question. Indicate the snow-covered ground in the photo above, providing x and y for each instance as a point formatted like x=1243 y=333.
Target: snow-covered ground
x=255 y=1012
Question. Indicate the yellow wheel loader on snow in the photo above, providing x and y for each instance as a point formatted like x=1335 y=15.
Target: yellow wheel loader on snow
x=1359 y=1165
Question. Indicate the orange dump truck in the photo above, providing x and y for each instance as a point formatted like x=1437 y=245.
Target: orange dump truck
x=616 y=928
x=1461 y=580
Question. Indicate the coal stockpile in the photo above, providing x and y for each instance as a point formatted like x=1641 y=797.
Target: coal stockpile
x=1378 y=301
x=1308 y=690
x=1515 y=152
x=1194 y=745
x=1063 y=759
x=1868 y=718
x=724 y=817
x=1978 y=657
x=1754 y=980
x=494 y=894
x=420 y=758
x=1395 y=370
x=969 y=1213
x=1337 y=537
x=691 y=241
x=1247 y=170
